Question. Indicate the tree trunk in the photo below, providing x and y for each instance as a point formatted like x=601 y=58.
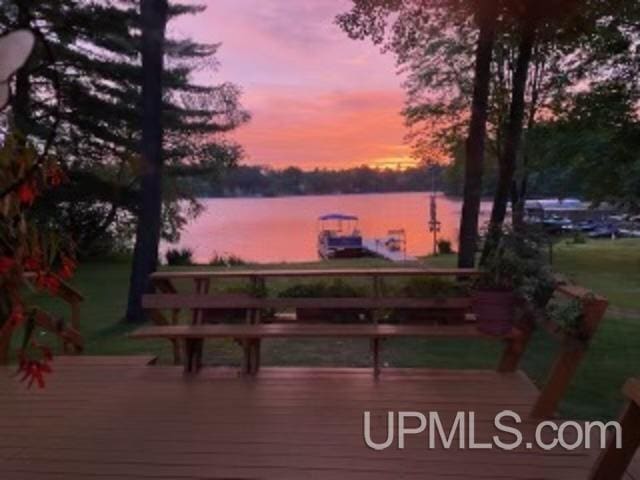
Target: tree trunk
x=474 y=164
x=520 y=192
x=513 y=137
x=21 y=98
x=145 y=256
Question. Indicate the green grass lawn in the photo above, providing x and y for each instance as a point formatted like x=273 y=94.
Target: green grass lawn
x=609 y=268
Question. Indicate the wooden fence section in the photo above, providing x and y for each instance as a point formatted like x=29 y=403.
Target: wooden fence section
x=571 y=349
x=613 y=462
x=68 y=333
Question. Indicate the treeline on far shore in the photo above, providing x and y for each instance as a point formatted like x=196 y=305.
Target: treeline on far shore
x=261 y=181
x=269 y=182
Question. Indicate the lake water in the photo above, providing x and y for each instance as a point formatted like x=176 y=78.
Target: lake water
x=285 y=229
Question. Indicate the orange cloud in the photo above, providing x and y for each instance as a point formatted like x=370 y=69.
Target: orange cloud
x=333 y=130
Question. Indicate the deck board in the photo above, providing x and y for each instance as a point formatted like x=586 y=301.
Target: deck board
x=124 y=419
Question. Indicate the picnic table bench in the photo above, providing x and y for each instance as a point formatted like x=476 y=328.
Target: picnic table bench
x=251 y=334
x=250 y=337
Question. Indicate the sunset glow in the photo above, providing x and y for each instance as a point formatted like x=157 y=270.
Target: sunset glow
x=318 y=99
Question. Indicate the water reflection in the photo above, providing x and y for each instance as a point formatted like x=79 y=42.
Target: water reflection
x=284 y=229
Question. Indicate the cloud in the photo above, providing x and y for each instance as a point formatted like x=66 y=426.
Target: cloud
x=335 y=129
x=317 y=97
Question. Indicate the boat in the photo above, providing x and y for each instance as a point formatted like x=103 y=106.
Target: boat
x=605 y=231
x=629 y=233
x=339 y=237
x=584 y=226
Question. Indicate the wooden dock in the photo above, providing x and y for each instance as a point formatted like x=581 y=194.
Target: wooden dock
x=377 y=248
x=119 y=418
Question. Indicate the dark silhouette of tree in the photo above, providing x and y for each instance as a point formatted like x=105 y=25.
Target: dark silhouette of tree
x=145 y=255
x=486 y=14
x=96 y=46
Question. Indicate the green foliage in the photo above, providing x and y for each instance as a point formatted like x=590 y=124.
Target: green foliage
x=599 y=142
x=444 y=246
x=334 y=289
x=97 y=55
x=578 y=238
x=228 y=260
x=434 y=287
x=179 y=257
x=519 y=263
x=247 y=180
x=568 y=316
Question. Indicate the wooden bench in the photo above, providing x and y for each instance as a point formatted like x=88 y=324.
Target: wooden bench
x=250 y=337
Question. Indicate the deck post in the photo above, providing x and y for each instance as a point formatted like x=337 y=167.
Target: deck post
x=377 y=293
x=515 y=347
x=202 y=287
x=188 y=355
x=255 y=355
x=613 y=462
x=571 y=354
x=375 y=351
x=159 y=319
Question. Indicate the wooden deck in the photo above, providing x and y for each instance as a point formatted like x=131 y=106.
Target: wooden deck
x=119 y=418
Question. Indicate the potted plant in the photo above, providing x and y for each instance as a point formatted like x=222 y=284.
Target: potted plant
x=335 y=289
x=516 y=276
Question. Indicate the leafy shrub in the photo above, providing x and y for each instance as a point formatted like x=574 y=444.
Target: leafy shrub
x=444 y=247
x=519 y=263
x=228 y=260
x=568 y=316
x=433 y=287
x=179 y=257
x=578 y=238
x=239 y=315
x=335 y=289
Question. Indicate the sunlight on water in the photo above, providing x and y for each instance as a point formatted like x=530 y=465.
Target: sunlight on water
x=284 y=229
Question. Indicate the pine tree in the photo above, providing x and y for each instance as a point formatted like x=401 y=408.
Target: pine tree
x=97 y=52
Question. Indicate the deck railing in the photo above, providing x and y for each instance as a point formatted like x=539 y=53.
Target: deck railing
x=571 y=349
x=615 y=459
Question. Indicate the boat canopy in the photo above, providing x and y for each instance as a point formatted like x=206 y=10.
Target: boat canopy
x=556 y=205
x=337 y=216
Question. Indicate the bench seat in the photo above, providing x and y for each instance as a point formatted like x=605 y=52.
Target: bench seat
x=306 y=330
x=204 y=302
x=250 y=336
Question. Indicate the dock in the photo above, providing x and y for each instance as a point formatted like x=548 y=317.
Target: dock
x=378 y=248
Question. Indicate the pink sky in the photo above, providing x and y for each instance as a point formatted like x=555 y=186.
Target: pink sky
x=318 y=99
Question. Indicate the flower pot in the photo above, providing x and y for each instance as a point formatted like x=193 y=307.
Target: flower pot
x=494 y=310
